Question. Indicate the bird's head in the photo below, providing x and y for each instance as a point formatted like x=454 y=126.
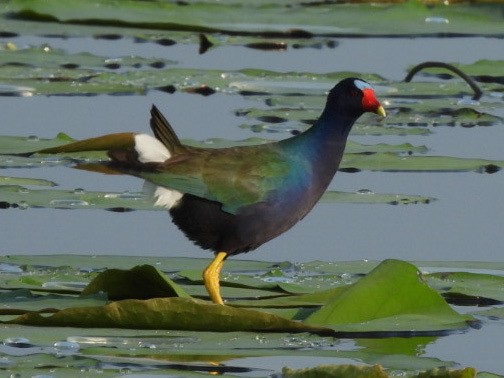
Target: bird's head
x=355 y=96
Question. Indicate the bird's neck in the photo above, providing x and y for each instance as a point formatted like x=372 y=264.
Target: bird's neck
x=324 y=142
x=319 y=150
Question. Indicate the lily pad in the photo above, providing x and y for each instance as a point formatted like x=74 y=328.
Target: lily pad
x=168 y=313
x=478 y=286
x=369 y=305
x=21 y=197
x=388 y=162
x=19 y=145
x=18 y=302
x=53 y=77
x=47 y=57
x=393 y=297
x=492 y=313
x=350 y=371
x=324 y=19
x=8 y=180
x=140 y=282
x=164 y=349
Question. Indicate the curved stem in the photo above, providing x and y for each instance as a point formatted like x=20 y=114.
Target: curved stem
x=477 y=91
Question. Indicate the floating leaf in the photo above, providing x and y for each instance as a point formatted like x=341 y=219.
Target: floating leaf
x=8 y=180
x=444 y=372
x=140 y=282
x=52 y=78
x=168 y=313
x=21 y=145
x=492 y=313
x=476 y=287
x=209 y=17
x=392 y=297
x=17 y=302
x=22 y=197
x=166 y=349
x=47 y=57
x=327 y=371
x=362 y=197
x=388 y=162
x=404 y=118
x=366 y=306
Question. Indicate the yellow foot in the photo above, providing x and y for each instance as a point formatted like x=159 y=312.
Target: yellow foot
x=211 y=277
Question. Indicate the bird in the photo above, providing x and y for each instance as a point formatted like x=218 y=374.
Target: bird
x=232 y=200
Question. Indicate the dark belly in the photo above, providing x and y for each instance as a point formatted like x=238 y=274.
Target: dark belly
x=208 y=226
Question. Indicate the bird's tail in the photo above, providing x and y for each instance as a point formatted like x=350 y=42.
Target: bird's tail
x=127 y=150
x=107 y=142
x=164 y=132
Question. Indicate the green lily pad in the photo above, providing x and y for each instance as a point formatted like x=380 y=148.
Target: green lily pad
x=476 y=285
x=389 y=162
x=18 y=302
x=362 y=197
x=310 y=300
x=20 y=145
x=392 y=297
x=134 y=347
x=140 y=282
x=36 y=264
x=168 y=313
x=492 y=313
x=327 y=371
x=467 y=372
x=410 y=18
x=23 y=198
x=47 y=57
x=93 y=77
x=369 y=305
x=406 y=117
x=18 y=181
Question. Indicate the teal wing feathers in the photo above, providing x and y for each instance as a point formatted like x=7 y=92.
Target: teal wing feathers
x=235 y=177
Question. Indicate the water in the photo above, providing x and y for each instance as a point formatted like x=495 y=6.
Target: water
x=464 y=223
x=463 y=220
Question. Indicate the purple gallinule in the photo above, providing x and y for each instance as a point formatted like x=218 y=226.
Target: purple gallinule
x=232 y=200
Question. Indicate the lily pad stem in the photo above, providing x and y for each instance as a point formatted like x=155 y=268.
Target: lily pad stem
x=477 y=91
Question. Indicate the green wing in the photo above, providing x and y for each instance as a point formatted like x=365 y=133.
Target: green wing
x=235 y=177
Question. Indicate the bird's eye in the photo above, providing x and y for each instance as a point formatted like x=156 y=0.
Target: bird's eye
x=353 y=92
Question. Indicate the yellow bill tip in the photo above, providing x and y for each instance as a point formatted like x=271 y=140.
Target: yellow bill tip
x=381 y=111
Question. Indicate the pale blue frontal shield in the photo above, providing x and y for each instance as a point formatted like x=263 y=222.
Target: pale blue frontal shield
x=362 y=85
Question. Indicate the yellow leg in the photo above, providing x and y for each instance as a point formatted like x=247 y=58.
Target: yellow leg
x=211 y=277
